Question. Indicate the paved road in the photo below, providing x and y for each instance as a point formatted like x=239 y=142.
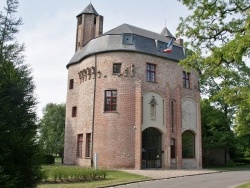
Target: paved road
x=215 y=180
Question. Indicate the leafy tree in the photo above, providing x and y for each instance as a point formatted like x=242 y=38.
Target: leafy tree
x=242 y=128
x=218 y=32
x=219 y=35
x=19 y=150
x=52 y=128
x=215 y=132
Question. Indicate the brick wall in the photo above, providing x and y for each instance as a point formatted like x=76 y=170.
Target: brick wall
x=117 y=135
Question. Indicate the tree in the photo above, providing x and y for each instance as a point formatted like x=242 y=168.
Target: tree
x=218 y=32
x=216 y=135
x=219 y=35
x=52 y=128
x=242 y=127
x=19 y=150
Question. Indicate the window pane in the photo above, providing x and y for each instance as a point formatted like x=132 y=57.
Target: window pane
x=107 y=108
x=152 y=68
x=108 y=93
x=114 y=93
x=113 y=100
x=113 y=108
x=108 y=101
x=152 y=77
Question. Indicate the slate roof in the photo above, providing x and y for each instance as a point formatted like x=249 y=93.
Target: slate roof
x=89 y=10
x=126 y=28
x=165 y=32
x=144 y=41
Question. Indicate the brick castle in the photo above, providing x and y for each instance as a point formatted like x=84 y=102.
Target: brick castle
x=128 y=102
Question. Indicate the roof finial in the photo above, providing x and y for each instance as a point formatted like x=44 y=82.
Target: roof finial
x=165 y=23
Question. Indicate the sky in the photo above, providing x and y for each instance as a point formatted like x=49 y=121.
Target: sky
x=49 y=33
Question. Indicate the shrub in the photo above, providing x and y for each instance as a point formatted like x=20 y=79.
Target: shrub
x=242 y=161
x=72 y=173
x=48 y=159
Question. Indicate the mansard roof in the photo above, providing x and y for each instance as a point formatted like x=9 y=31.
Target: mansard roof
x=89 y=10
x=144 y=41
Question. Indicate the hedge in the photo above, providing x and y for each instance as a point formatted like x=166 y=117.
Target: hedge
x=72 y=173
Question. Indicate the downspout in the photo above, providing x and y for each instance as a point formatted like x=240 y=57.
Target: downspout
x=93 y=116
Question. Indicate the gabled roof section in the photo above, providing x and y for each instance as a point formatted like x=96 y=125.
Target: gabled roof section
x=165 y=32
x=126 y=28
x=89 y=10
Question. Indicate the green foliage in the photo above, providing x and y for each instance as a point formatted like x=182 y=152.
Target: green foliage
x=19 y=152
x=218 y=34
x=215 y=131
x=231 y=163
x=48 y=159
x=73 y=173
x=52 y=128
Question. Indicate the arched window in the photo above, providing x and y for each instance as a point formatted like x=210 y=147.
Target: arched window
x=188 y=144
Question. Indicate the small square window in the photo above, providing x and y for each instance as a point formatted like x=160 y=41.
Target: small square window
x=74 y=111
x=127 y=38
x=117 y=68
x=71 y=83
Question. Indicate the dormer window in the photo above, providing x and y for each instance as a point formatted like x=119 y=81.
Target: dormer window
x=127 y=38
x=160 y=45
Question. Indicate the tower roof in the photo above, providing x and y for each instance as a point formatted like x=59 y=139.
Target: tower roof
x=165 y=32
x=144 y=41
x=89 y=10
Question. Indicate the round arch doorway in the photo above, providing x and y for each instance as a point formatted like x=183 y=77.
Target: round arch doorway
x=151 y=148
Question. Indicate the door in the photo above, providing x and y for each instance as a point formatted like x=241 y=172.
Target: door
x=151 y=148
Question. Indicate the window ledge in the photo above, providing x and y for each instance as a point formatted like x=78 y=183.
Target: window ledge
x=187 y=88
x=152 y=82
x=108 y=112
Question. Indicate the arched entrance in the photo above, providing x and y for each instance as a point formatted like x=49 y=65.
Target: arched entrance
x=151 y=148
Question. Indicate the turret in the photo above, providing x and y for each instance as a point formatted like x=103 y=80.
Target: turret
x=165 y=32
x=89 y=26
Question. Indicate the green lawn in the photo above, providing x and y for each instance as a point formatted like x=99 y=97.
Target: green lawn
x=234 y=168
x=113 y=177
x=247 y=185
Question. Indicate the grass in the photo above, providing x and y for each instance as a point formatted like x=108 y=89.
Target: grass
x=113 y=178
x=247 y=185
x=233 y=168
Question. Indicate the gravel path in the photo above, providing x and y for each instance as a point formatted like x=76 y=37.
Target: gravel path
x=164 y=174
